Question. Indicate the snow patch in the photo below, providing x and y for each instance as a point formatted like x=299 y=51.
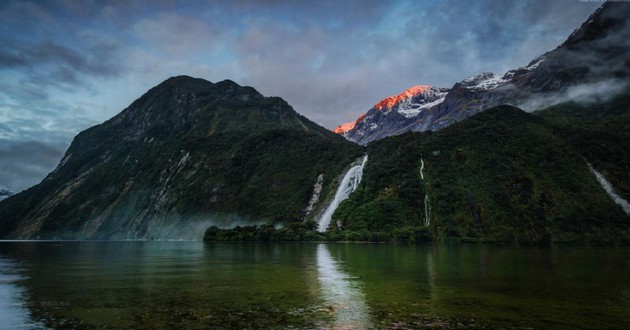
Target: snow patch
x=484 y=81
x=535 y=64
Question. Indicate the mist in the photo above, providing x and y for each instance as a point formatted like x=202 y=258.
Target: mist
x=589 y=93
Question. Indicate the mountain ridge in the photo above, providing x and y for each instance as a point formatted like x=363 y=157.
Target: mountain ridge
x=186 y=154
x=595 y=53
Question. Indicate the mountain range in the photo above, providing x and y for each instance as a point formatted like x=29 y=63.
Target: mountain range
x=592 y=64
x=464 y=162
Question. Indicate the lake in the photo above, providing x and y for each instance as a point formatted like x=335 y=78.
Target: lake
x=164 y=285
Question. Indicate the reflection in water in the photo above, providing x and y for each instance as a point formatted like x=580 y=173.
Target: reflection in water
x=431 y=272
x=341 y=294
x=192 y=285
x=13 y=314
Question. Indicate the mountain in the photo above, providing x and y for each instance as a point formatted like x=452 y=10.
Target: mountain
x=4 y=193
x=187 y=154
x=601 y=134
x=592 y=64
x=502 y=175
x=391 y=113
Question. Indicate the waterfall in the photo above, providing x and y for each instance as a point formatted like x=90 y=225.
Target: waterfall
x=421 y=168
x=610 y=191
x=427 y=210
x=350 y=182
x=427 y=205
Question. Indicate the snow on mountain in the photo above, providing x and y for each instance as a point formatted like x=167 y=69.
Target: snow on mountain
x=391 y=112
x=343 y=128
x=410 y=102
x=424 y=99
x=594 y=59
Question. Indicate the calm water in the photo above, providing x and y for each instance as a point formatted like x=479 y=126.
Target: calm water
x=163 y=285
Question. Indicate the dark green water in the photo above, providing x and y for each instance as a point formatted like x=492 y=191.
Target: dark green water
x=166 y=285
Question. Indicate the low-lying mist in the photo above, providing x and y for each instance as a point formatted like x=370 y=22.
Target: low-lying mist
x=601 y=91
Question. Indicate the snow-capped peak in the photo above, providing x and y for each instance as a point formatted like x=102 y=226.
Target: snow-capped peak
x=413 y=100
x=344 y=128
x=391 y=101
x=483 y=81
x=413 y=106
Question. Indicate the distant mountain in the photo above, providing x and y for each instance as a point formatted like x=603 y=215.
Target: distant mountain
x=592 y=64
x=502 y=175
x=4 y=193
x=186 y=155
x=392 y=113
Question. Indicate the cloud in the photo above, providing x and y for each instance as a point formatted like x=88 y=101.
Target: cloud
x=51 y=63
x=178 y=36
x=332 y=72
x=26 y=163
x=601 y=91
x=65 y=65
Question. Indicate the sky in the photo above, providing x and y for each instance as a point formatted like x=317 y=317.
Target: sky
x=66 y=65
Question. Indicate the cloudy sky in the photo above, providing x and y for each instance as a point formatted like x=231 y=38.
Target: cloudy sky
x=69 y=64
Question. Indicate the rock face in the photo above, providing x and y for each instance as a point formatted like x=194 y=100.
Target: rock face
x=186 y=155
x=592 y=64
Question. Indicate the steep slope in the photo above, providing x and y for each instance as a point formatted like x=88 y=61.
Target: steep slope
x=592 y=64
x=187 y=154
x=501 y=175
x=600 y=132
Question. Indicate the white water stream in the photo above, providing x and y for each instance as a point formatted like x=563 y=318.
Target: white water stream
x=427 y=205
x=610 y=191
x=349 y=184
x=421 y=168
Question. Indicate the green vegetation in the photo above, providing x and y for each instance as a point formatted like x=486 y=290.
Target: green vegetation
x=600 y=132
x=306 y=231
x=500 y=176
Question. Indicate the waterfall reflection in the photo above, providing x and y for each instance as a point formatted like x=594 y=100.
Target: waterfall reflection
x=341 y=293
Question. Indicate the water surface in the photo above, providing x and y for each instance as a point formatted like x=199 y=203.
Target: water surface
x=149 y=285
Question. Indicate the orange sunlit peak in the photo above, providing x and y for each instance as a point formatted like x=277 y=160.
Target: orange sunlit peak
x=343 y=128
x=390 y=101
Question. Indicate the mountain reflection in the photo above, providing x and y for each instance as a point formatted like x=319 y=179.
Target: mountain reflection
x=341 y=293
x=13 y=313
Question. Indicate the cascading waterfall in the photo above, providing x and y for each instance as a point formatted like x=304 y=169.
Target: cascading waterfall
x=348 y=185
x=421 y=168
x=427 y=205
x=610 y=191
x=427 y=210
